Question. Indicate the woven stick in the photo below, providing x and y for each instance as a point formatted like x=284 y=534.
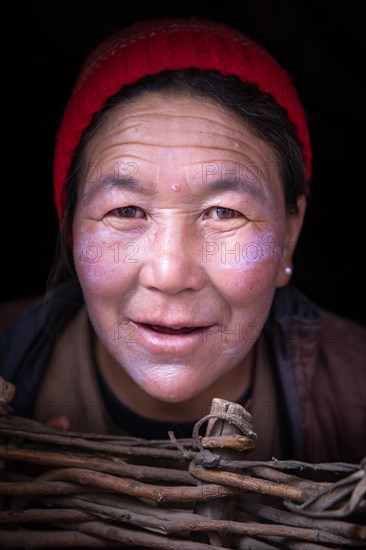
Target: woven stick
x=351 y=530
x=121 y=468
x=220 y=429
x=56 y=538
x=172 y=522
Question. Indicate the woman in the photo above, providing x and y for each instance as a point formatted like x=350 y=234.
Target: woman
x=182 y=168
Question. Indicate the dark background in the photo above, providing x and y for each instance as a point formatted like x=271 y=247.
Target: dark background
x=320 y=43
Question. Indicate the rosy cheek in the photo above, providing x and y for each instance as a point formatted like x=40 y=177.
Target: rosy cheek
x=103 y=262
x=245 y=264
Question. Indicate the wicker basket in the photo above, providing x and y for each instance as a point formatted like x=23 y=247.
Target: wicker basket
x=67 y=489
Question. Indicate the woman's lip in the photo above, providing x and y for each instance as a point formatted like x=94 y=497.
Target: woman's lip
x=163 y=342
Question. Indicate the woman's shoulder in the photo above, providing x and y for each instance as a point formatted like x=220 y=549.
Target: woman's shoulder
x=305 y=323
x=33 y=324
x=292 y=303
x=65 y=296
x=325 y=353
x=26 y=344
x=341 y=329
x=11 y=310
x=343 y=344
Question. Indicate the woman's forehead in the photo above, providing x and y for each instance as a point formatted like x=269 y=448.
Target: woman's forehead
x=158 y=140
x=166 y=128
x=150 y=144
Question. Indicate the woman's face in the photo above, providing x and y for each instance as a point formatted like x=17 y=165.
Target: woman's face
x=180 y=240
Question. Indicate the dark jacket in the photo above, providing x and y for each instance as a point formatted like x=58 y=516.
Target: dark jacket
x=318 y=360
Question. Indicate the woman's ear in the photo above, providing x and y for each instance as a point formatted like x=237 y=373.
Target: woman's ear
x=293 y=228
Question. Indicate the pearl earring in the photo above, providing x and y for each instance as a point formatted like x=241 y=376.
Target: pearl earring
x=288 y=270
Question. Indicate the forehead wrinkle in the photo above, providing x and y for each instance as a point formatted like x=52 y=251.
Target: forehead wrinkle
x=180 y=120
x=177 y=146
x=218 y=120
x=206 y=147
x=242 y=134
x=126 y=158
x=210 y=147
x=237 y=147
x=148 y=112
x=230 y=129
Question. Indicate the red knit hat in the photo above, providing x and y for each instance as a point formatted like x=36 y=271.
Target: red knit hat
x=152 y=46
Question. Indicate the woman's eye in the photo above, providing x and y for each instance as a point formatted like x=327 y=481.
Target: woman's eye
x=128 y=212
x=222 y=213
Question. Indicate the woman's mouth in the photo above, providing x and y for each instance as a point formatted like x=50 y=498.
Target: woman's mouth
x=183 y=339
x=171 y=330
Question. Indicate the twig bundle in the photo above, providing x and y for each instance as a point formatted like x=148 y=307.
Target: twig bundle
x=63 y=490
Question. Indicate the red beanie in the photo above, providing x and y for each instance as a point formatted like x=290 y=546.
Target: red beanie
x=152 y=46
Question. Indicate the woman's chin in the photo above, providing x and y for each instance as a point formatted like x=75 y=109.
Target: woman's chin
x=174 y=391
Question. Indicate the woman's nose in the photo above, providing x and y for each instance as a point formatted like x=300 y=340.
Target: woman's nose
x=173 y=264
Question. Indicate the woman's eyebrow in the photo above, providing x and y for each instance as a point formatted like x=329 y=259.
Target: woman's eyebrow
x=109 y=182
x=244 y=186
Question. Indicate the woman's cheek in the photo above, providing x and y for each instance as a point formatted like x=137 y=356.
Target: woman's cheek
x=242 y=266
x=104 y=262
